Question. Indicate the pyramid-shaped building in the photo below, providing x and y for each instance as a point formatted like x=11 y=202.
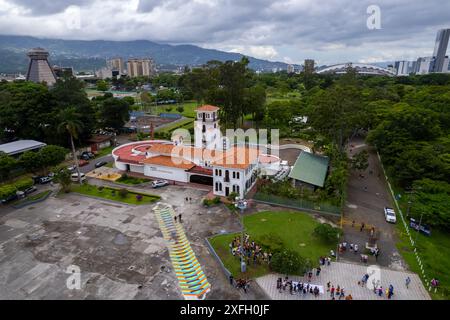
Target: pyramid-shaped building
x=39 y=69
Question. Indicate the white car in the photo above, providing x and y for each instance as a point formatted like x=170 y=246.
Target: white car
x=390 y=216
x=74 y=177
x=159 y=184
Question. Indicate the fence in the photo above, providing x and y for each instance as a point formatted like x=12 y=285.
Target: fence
x=300 y=204
x=170 y=115
x=216 y=256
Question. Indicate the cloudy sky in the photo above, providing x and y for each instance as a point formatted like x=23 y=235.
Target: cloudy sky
x=329 y=31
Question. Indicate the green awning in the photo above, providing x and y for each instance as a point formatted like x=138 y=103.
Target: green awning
x=310 y=168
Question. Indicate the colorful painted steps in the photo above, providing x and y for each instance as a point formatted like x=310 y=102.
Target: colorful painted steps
x=192 y=281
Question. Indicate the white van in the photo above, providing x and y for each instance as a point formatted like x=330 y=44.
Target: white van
x=74 y=177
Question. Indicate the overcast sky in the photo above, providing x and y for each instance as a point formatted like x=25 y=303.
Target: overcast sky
x=329 y=31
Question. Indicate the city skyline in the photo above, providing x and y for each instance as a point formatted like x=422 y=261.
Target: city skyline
x=329 y=33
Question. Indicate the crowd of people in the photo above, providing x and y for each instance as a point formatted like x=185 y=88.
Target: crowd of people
x=299 y=288
x=250 y=250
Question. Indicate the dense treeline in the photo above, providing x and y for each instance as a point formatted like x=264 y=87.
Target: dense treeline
x=32 y=111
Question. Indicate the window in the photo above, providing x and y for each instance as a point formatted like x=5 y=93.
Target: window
x=237 y=175
x=234 y=175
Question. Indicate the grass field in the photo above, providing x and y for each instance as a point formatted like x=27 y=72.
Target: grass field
x=107 y=193
x=189 y=109
x=434 y=252
x=104 y=152
x=185 y=124
x=294 y=228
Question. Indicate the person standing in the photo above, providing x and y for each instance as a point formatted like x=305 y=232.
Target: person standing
x=407 y=282
x=179 y=217
x=332 y=292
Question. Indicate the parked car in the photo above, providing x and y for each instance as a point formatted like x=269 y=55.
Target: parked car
x=45 y=180
x=101 y=164
x=390 y=216
x=11 y=198
x=30 y=190
x=159 y=184
x=83 y=163
x=71 y=168
x=74 y=177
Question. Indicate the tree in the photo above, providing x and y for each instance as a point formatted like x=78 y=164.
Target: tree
x=327 y=232
x=113 y=113
x=360 y=161
x=63 y=177
x=102 y=85
x=31 y=161
x=70 y=123
x=289 y=262
x=7 y=164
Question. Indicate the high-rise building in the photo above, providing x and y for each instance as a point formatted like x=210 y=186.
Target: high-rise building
x=440 y=50
x=39 y=69
x=309 y=66
x=290 y=69
x=424 y=65
x=140 y=67
x=116 y=64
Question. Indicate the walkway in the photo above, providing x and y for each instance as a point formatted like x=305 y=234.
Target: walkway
x=347 y=276
x=192 y=280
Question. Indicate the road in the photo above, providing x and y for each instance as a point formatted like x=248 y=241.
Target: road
x=366 y=206
x=91 y=165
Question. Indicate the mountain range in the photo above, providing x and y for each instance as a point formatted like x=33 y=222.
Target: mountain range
x=89 y=55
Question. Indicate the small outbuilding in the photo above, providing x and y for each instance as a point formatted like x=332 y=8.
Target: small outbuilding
x=310 y=170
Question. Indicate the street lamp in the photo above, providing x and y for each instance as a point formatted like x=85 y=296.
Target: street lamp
x=241 y=204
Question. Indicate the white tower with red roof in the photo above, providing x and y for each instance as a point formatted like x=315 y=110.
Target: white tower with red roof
x=207 y=129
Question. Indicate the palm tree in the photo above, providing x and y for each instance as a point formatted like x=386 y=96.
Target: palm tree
x=70 y=123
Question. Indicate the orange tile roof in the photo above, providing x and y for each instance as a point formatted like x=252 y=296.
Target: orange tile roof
x=171 y=162
x=208 y=108
x=238 y=158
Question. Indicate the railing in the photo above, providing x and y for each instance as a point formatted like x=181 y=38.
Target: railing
x=301 y=204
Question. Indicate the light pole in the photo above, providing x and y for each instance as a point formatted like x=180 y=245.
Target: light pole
x=242 y=205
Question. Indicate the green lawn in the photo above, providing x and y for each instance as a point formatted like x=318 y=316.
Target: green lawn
x=185 y=124
x=132 y=180
x=294 y=228
x=107 y=193
x=434 y=252
x=189 y=109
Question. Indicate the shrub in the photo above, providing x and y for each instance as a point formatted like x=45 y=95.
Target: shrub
x=123 y=193
x=216 y=200
x=100 y=188
x=289 y=262
x=7 y=190
x=139 y=197
x=327 y=232
x=23 y=184
x=180 y=109
x=232 y=196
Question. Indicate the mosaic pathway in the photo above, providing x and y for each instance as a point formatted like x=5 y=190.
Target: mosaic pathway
x=192 y=280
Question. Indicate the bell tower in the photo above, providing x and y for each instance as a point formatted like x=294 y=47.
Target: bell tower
x=207 y=129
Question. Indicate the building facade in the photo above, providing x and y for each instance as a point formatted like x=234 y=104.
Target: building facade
x=309 y=66
x=440 y=51
x=140 y=67
x=226 y=168
x=116 y=64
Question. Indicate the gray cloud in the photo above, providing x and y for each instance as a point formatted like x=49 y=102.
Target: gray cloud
x=43 y=7
x=294 y=28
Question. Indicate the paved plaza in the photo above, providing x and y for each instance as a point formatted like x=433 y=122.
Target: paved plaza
x=347 y=275
x=119 y=248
